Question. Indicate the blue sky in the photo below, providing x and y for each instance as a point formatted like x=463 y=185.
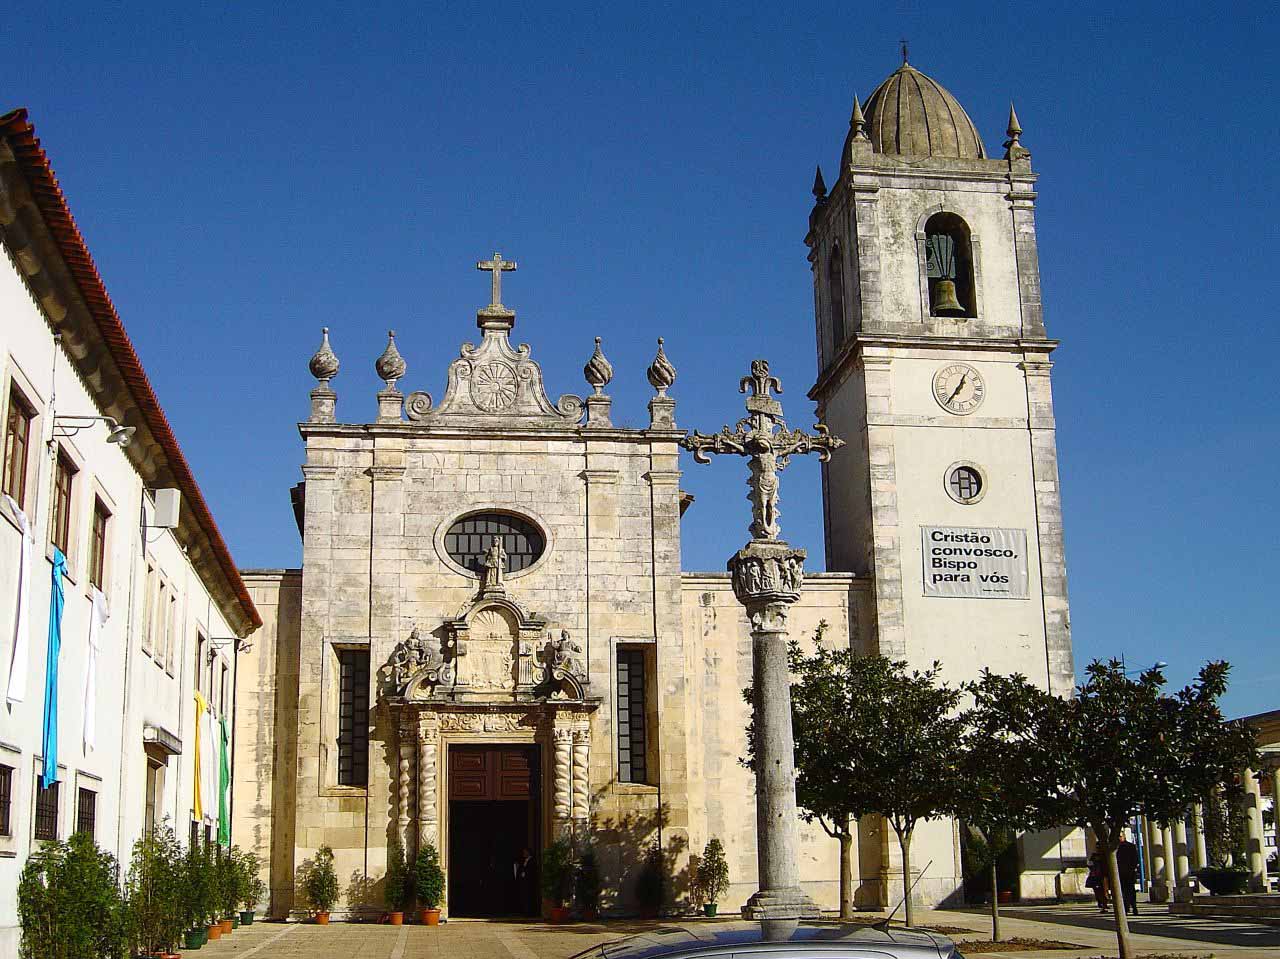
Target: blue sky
x=245 y=177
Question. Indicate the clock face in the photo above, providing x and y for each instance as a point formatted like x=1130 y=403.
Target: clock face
x=958 y=388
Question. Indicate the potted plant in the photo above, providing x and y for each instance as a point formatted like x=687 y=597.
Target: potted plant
x=586 y=884
x=154 y=893
x=69 y=902
x=320 y=884
x=429 y=881
x=224 y=872
x=396 y=886
x=557 y=878
x=194 y=885
x=1223 y=880
x=649 y=883
x=712 y=877
x=251 y=887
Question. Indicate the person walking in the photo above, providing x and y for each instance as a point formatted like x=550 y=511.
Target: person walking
x=1127 y=864
x=1097 y=880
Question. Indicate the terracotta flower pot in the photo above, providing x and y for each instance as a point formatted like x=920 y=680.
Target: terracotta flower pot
x=322 y=918
x=559 y=914
x=431 y=917
x=227 y=927
x=395 y=918
x=215 y=931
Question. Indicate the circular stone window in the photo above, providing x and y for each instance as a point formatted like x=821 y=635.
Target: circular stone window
x=965 y=483
x=469 y=537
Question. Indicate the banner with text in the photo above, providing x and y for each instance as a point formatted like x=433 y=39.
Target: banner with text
x=974 y=562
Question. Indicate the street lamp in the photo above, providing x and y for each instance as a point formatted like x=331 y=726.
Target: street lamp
x=118 y=435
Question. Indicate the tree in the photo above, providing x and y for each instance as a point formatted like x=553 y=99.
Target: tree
x=1004 y=769
x=154 y=892
x=69 y=903
x=871 y=737
x=1123 y=747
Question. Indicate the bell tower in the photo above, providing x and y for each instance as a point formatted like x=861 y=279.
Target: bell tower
x=934 y=367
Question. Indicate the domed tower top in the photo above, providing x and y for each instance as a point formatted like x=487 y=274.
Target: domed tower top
x=913 y=115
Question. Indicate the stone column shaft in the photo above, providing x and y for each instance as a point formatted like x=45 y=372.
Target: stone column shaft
x=581 y=781
x=1159 y=888
x=1253 y=818
x=428 y=814
x=405 y=791
x=562 y=757
x=1199 y=847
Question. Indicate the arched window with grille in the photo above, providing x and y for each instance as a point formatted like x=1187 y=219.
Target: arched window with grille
x=949 y=266
x=835 y=281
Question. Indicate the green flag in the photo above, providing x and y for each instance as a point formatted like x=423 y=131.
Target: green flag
x=224 y=790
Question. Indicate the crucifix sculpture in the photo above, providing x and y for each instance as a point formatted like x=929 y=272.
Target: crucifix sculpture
x=767 y=577
x=497 y=266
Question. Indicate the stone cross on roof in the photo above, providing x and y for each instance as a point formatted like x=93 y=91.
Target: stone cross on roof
x=497 y=266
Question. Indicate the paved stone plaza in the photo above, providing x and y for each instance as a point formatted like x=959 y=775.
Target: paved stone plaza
x=1155 y=933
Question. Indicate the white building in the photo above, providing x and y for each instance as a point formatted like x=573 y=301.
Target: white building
x=174 y=602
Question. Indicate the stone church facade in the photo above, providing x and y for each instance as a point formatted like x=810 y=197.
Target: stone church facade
x=491 y=643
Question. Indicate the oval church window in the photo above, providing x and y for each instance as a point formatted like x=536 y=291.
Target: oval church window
x=469 y=537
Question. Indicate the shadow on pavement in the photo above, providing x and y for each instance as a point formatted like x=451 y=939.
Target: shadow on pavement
x=1226 y=932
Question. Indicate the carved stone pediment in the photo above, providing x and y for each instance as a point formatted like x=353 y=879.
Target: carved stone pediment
x=494 y=382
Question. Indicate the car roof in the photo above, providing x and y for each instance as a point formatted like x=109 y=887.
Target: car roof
x=831 y=938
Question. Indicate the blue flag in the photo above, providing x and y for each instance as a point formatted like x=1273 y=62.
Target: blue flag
x=57 y=600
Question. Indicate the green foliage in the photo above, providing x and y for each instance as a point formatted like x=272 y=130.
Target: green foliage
x=586 y=881
x=557 y=872
x=712 y=877
x=249 y=885
x=319 y=880
x=429 y=877
x=1122 y=746
x=650 y=882
x=226 y=882
x=1225 y=826
x=397 y=887
x=69 y=903
x=1224 y=880
x=199 y=900
x=155 y=892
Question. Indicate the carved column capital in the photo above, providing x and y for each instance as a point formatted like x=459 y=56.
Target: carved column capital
x=767 y=575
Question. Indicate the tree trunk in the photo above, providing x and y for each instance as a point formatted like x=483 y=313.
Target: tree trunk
x=1117 y=901
x=846 y=871
x=995 y=902
x=908 y=914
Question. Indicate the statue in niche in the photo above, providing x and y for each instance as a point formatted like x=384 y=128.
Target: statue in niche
x=563 y=660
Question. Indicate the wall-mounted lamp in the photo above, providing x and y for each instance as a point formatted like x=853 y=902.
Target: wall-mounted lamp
x=217 y=642
x=121 y=436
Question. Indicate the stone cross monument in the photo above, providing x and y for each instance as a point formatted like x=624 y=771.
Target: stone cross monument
x=767 y=577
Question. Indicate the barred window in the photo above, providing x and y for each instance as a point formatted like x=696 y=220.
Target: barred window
x=86 y=811
x=353 y=717
x=46 y=825
x=6 y=800
x=470 y=536
x=17 y=446
x=631 y=716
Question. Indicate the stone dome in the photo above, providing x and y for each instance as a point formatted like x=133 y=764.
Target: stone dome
x=913 y=115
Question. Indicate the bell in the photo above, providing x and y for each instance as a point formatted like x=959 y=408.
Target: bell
x=944 y=299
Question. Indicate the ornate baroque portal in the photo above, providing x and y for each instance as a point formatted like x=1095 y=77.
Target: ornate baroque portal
x=493 y=673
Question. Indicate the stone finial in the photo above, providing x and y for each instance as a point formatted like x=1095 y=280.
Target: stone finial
x=390 y=365
x=661 y=373
x=598 y=371
x=324 y=364
x=858 y=122
x=819 y=186
x=1013 y=148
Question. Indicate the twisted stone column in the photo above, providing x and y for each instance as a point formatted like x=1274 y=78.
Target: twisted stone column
x=562 y=801
x=766 y=580
x=581 y=781
x=428 y=748
x=405 y=790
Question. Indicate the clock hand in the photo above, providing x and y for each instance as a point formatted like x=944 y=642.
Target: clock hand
x=959 y=387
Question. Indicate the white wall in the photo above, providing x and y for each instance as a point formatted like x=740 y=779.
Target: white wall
x=132 y=690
